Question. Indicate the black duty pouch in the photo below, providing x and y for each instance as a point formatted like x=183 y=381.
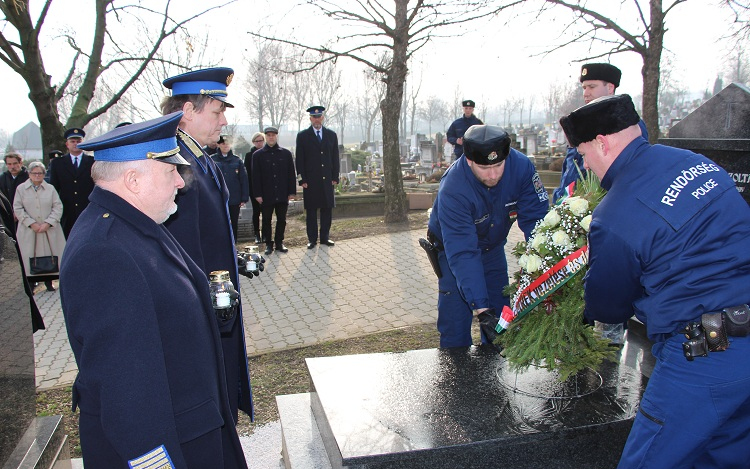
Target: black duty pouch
x=737 y=320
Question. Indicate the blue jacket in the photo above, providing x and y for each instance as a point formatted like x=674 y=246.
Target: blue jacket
x=274 y=178
x=570 y=174
x=469 y=219
x=202 y=227
x=668 y=242
x=457 y=130
x=235 y=177
x=144 y=334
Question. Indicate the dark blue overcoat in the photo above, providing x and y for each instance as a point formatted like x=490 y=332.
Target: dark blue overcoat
x=73 y=186
x=202 y=227
x=317 y=164
x=145 y=338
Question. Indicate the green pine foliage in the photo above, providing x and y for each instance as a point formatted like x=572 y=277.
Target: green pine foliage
x=557 y=338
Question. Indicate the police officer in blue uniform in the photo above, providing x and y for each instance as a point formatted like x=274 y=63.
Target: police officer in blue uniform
x=71 y=176
x=669 y=243
x=480 y=196
x=597 y=80
x=150 y=387
x=455 y=133
x=202 y=224
x=317 y=163
x=235 y=177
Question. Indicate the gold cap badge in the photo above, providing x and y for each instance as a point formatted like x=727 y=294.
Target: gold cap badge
x=584 y=72
x=492 y=156
x=229 y=78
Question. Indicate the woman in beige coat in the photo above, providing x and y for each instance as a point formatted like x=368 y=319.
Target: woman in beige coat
x=38 y=209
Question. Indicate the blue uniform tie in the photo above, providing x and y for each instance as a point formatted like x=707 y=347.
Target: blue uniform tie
x=320 y=138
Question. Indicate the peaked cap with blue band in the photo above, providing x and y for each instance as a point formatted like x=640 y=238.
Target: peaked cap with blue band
x=154 y=139
x=316 y=110
x=211 y=82
x=74 y=133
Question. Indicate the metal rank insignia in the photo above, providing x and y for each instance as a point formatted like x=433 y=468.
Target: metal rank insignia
x=492 y=156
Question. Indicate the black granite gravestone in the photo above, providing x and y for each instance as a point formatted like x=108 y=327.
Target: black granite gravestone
x=460 y=408
x=25 y=440
x=720 y=130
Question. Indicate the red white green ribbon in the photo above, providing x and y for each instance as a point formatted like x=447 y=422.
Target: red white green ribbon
x=544 y=286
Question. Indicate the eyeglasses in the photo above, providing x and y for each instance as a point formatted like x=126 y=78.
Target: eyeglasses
x=36 y=173
x=258 y=141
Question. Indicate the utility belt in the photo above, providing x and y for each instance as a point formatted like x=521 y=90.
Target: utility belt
x=712 y=333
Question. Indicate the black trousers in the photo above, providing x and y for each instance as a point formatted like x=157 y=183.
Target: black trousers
x=268 y=209
x=311 y=220
x=234 y=217
x=256 y=216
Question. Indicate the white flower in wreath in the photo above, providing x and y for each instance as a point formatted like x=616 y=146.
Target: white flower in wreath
x=533 y=263
x=538 y=241
x=551 y=219
x=522 y=261
x=577 y=205
x=586 y=222
x=560 y=238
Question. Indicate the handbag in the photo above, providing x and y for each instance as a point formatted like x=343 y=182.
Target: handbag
x=44 y=264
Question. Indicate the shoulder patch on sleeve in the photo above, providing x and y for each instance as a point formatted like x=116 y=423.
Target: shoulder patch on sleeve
x=541 y=192
x=683 y=190
x=157 y=458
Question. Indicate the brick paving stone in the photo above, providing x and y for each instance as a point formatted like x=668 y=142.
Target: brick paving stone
x=303 y=297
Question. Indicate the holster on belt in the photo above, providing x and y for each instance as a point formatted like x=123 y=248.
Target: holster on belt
x=432 y=254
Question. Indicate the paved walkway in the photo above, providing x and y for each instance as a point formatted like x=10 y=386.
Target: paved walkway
x=358 y=287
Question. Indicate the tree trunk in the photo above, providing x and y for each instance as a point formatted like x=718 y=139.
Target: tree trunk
x=390 y=108
x=651 y=71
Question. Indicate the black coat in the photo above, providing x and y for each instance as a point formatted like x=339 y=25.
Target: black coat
x=273 y=174
x=202 y=226
x=8 y=185
x=318 y=166
x=73 y=186
x=9 y=229
x=145 y=339
x=249 y=169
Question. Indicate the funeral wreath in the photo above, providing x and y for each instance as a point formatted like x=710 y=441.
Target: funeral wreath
x=545 y=326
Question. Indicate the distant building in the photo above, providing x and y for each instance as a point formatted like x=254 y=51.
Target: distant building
x=28 y=142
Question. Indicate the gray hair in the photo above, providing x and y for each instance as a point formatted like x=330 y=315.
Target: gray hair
x=172 y=104
x=107 y=171
x=36 y=164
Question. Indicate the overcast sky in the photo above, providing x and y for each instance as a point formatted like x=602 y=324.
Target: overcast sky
x=489 y=62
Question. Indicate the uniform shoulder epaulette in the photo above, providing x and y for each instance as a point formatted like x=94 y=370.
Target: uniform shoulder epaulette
x=189 y=143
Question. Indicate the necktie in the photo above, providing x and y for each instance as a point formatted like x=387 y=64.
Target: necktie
x=320 y=138
x=75 y=162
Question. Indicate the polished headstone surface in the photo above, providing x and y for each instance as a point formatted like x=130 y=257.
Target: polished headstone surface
x=464 y=408
x=17 y=392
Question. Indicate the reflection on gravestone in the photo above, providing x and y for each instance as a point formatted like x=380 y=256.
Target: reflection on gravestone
x=17 y=387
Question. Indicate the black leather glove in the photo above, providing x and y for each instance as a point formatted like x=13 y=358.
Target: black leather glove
x=488 y=325
x=242 y=267
x=242 y=260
